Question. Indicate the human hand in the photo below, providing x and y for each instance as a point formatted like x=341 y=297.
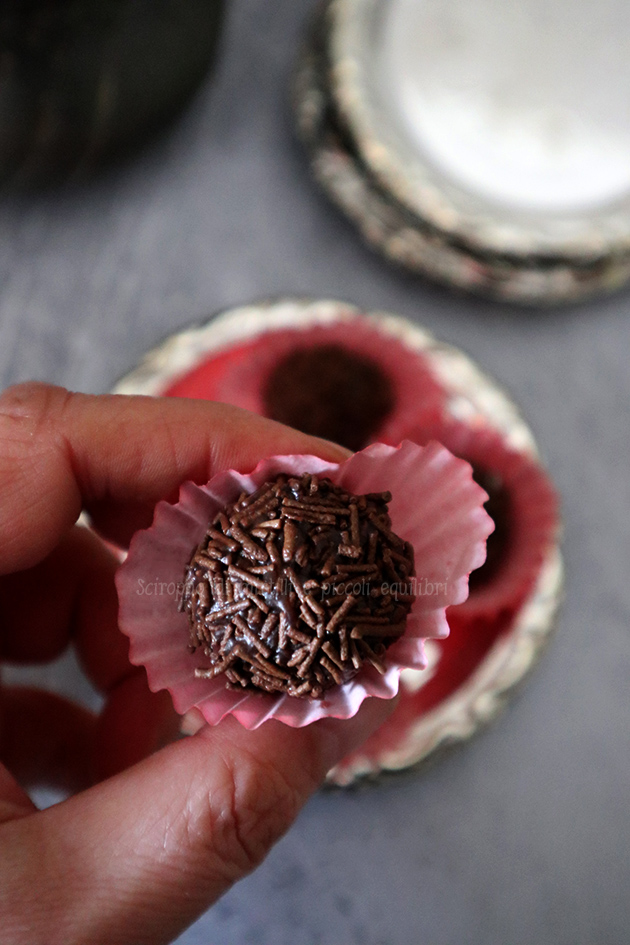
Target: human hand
x=152 y=837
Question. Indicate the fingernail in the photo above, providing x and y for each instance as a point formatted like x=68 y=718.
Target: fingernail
x=191 y=722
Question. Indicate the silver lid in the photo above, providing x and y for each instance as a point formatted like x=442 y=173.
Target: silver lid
x=488 y=153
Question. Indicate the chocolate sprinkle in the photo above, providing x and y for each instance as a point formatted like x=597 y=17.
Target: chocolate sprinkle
x=328 y=391
x=302 y=609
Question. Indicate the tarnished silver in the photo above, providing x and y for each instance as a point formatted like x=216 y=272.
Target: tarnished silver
x=473 y=397
x=416 y=212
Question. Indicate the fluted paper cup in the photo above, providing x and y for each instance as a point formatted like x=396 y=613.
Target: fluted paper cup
x=436 y=506
x=528 y=508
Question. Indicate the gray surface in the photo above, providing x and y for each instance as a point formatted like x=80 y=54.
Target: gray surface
x=524 y=836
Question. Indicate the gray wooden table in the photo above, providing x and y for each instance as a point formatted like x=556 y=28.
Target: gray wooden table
x=523 y=837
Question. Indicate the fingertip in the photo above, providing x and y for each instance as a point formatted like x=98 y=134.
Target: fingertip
x=328 y=449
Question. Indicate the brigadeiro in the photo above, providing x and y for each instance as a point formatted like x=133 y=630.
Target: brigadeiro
x=295 y=586
x=297 y=590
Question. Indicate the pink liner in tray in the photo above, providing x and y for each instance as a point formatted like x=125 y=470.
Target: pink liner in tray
x=525 y=501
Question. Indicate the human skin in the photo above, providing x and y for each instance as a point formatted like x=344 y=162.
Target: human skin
x=155 y=828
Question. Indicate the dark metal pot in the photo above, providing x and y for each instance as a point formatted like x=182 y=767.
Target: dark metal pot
x=83 y=81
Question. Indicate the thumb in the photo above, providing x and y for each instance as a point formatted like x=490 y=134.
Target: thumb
x=137 y=858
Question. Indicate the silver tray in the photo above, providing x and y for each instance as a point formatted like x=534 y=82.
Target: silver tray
x=415 y=214
x=473 y=397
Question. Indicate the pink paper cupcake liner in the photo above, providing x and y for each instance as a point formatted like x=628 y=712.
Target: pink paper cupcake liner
x=436 y=506
x=238 y=375
x=532 y=512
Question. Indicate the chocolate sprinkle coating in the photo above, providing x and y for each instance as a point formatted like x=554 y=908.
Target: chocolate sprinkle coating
x=328 y=391
x=296 y=586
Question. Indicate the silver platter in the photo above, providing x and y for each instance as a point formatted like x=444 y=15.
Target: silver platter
x=473 y=397
x=418 y=215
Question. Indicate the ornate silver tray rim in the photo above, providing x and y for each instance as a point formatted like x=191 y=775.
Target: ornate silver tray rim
x=433 y=197
x=398 y=234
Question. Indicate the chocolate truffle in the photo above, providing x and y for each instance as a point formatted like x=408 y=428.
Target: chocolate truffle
x=330 y=391
x=296 y=586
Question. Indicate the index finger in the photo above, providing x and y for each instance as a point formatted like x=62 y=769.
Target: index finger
x=115 y=456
